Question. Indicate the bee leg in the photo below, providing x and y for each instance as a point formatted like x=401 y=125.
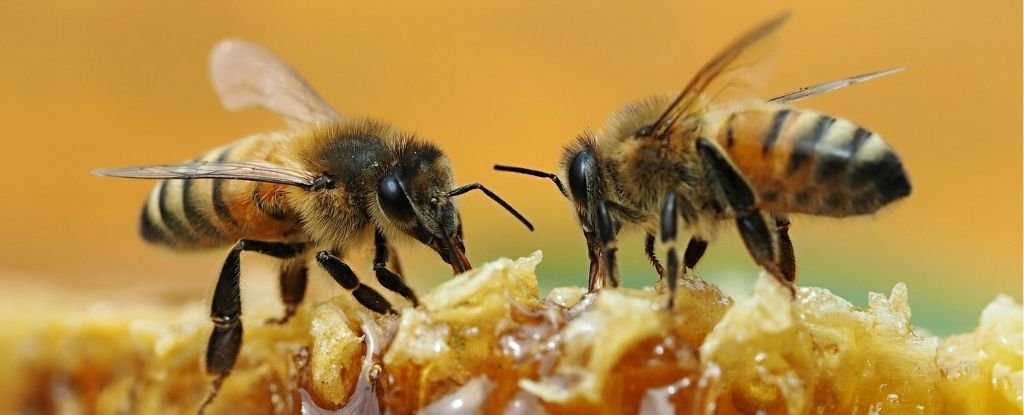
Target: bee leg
x=694 y=252
x=388 y=279
x=393 y=261
x=343 y=274
x=606 y=231
x=649 y=251
x=596 y=279
x=294 y=277
x=755 y=232
x=758 y=239
x=787 y=257
x=226 y=310
x=669 y=229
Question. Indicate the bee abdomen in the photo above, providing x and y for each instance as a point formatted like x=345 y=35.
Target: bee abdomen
x=185 y=214
x=174 y=215
x=806 y=162
x=206 y=213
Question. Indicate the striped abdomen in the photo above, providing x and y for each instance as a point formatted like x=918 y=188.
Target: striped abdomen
x=803 y=161
x=206 y=213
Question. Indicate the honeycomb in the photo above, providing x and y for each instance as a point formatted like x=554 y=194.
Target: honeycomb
x=486 y=342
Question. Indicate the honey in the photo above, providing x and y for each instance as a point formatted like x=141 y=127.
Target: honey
x=486 y=342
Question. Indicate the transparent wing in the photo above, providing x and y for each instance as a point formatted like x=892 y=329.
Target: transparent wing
x=250 y=171
x=813 y=90
x=735 y=73
x=245 y=74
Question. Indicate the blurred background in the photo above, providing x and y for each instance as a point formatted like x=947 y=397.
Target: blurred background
x=116 y=82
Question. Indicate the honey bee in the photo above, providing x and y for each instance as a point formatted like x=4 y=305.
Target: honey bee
x=314 y=191
x=713 y=154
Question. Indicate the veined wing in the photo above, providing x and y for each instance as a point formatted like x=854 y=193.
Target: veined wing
x=245 y=74
x=249 y=171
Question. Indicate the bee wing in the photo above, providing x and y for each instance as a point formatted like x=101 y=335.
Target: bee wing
x=734 y=73
x=809 y=91
x=251 y=171
x=245 y=74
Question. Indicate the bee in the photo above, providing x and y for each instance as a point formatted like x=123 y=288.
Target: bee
x=312 y=192
x=715 y=154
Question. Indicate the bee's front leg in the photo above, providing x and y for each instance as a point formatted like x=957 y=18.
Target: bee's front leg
x=344 y=276
x=595 y=280
x=606 y=231
x=388 y=279
x=649 y=251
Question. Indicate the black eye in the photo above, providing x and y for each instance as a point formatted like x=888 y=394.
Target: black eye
x=644 y=131
x=582 y=170
x=393 y=199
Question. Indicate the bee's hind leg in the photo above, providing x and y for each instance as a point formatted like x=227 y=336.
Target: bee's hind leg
x=787 y=257
x=756 y=235
x=390 y=280
x=226 y=310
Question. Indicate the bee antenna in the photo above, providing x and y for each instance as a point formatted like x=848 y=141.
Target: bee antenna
x=477 y=186
x=535 y=173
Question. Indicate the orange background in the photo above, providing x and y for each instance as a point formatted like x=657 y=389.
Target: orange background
x=114 y=82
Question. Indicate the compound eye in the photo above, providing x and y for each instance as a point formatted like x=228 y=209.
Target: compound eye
x=394 y=200
x=582 y=170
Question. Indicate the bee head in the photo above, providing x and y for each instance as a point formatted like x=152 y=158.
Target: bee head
x=580 y=165
x=417 y=197
x=413 y=195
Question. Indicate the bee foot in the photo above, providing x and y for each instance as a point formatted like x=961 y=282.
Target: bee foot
x=214 y=389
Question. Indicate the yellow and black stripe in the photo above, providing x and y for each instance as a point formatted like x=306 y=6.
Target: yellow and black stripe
x=207 y=213
x=803 y=161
